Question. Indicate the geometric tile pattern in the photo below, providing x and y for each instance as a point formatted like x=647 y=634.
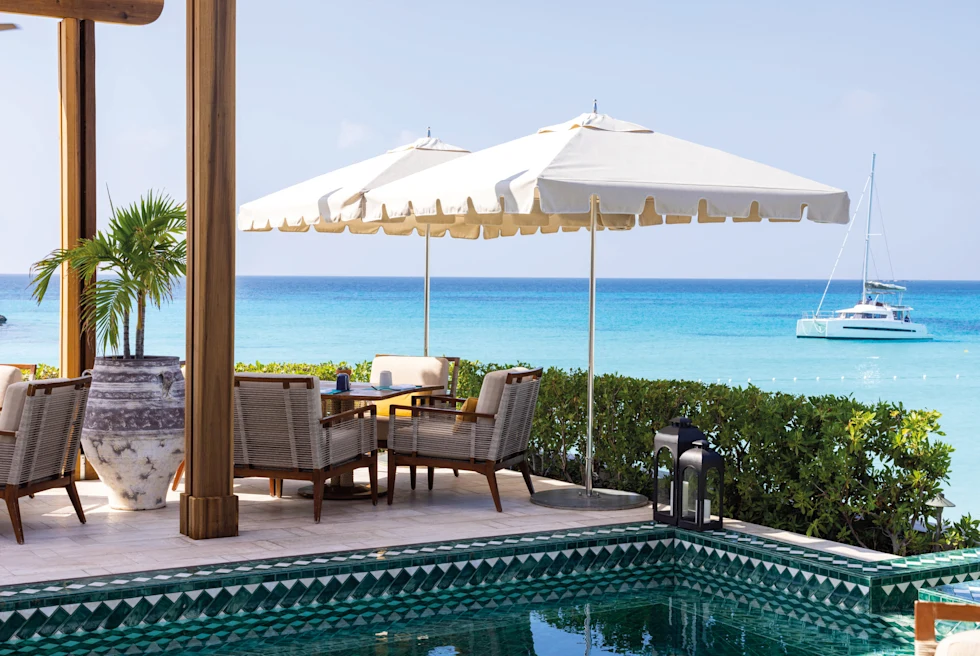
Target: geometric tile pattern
x=807 y=588
x=318 y=581
x=898 y=592
x=727 y=618
x=798 y=579
x=894 y=584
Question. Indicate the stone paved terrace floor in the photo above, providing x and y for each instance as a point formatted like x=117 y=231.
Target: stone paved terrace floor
x=113 y=542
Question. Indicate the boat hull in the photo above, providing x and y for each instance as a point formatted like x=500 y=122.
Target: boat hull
x=876 y=329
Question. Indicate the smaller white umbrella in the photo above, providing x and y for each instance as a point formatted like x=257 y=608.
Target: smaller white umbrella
x=331 y=201
x=334 y=201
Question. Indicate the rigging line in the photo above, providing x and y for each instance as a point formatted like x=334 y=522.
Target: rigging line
x=881 y=220
x=846 y=235
x=874 y=264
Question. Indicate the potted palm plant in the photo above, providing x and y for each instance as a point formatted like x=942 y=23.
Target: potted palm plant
x=133 y=432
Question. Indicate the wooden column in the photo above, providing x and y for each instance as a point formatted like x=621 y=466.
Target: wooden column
x=76 y=82
x=208 y=507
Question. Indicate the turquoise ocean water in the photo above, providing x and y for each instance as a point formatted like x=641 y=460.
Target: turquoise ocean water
x=713 y=330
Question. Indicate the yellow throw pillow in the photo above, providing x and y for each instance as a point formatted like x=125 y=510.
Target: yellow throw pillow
x=384 y=407
x=468 y=406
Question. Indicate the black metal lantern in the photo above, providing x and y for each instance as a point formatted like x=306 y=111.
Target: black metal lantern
x=668 y=445
x=702 y=488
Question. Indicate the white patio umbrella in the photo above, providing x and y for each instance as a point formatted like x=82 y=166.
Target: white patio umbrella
x=593 y=172
x=334 y=201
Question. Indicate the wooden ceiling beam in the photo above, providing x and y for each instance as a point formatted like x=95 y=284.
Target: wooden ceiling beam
x=130 y=12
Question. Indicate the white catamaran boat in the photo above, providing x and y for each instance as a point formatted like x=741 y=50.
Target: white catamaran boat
x=880 y=314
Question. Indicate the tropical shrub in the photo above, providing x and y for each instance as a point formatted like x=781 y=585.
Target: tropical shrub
x=961 y=534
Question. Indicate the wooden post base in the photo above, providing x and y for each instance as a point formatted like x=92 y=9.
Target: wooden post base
x=202 y=518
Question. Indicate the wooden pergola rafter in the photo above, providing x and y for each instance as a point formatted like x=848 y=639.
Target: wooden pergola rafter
x=208 y=506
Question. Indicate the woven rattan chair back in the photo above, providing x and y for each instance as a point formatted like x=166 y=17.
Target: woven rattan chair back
x=512 y=427
x=277 y=422
x=49 y=431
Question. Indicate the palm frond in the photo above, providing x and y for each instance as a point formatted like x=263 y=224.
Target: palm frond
x=104 y=305
x=144 y=248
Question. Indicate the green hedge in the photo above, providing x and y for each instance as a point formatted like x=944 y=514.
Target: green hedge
x=828 y=466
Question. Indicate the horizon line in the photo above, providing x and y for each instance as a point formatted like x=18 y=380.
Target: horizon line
x=703 y=278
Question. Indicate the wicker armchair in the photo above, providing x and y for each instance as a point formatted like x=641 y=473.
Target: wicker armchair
x=492 y=438
x=40 y=425
x=281 y=433
x=413 y=370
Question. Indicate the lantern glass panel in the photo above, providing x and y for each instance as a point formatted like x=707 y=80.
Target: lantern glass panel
x=712 y=497
x=665 y=481
x=689 y=494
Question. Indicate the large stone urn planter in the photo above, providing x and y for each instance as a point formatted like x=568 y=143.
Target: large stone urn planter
x=133 y=433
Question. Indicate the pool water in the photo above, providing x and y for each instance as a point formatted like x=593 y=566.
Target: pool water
x=646 y=611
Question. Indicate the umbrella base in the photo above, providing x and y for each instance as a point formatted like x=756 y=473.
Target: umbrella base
x=574 y=498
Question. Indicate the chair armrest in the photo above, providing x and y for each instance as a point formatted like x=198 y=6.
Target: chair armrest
x=426 y=399
x=928 y=612
x=418 y=411
x=349 y=414
x=4 y=433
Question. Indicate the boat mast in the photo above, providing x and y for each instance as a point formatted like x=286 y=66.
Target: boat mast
x=867 y=235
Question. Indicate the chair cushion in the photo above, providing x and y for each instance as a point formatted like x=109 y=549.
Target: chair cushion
x=493 y=389
x=411 y=370
x=13 y=406
x=962 y=643
x=8 y=376
x=438 y=438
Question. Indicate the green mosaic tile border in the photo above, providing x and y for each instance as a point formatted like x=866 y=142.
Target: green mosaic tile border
x=152 y=598
x=179 y=599
x=352 y=614
x=160 y=581
x=354 y=624
x=898 y=592
x=798 y=579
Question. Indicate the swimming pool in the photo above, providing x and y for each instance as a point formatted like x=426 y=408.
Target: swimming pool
x=622 y=589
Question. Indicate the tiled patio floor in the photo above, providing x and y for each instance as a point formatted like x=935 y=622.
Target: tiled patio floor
x=114 y=542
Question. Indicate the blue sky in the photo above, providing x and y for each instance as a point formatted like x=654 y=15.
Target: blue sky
x=812 y=88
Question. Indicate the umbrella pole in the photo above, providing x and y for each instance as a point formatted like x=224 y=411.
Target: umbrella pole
x=425 y=300
x=591 y=381
x=575 y=498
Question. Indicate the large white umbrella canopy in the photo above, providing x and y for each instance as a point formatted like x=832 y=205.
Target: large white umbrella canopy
x=593 y=172
x=546 y=181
